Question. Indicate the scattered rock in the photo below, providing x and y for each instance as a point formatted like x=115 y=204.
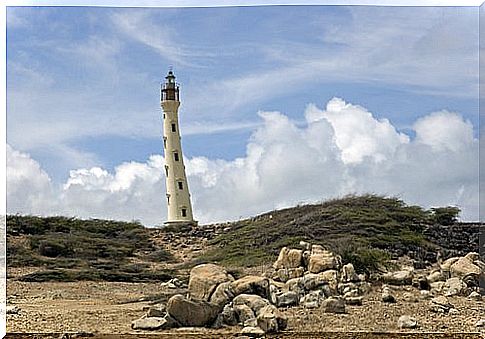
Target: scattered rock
x=289 y=258
x=157 y=311
x=440 y=304
x=271 y=320
x=406 y=321
x=223 y=294
x=204 y=280
x=150 y=324
x=348 y=273
x=454 y=286
x=322 y=261
x=254 y=332
x=436 y=276
x=287 y=299
x=251 y=284
x=334 y=305
x=254 y=302
x=464 y=267
x=191 y=312
x=387 y=296
x=403 y=277
x=285 y=274
x=244 y=313
x=312 y=299
x=475 y=296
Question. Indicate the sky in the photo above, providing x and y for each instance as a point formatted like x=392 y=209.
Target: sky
x=281 y=105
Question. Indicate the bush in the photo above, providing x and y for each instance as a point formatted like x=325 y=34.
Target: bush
x=445 y=215
x=54 y=248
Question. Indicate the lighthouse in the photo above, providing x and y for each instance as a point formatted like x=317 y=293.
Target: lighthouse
x=178 y=196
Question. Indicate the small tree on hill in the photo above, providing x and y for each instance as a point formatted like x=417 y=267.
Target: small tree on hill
x=445 y=215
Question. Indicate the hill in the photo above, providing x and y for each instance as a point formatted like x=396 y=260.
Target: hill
x=367 y=230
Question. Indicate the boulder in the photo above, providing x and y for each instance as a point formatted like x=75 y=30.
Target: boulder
x=223 y=294
x=271 y=320
x=472 y=256
x=436 y=276
x=437 y=287
x=152 y=323
x=288 y=258
x=334 y=305
x=464 y=267
x=403 y=277
x=285 y=274
x=205 y=278
x=282 y=259
x=446 y=265
x=312 y=300
x=294 y=285
x=251 y=284
x=192 y=312
x=226 y=317
x=254 y=302
x=454 y=286
x=243 y=313
x=287 y=299
x=322 y=261
x=313 y=281
x=349 y=274
x=406 y=321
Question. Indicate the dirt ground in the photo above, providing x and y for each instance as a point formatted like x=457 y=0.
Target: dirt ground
x=109 y=308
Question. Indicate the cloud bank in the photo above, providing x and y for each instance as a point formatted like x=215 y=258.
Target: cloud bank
x=341 y=149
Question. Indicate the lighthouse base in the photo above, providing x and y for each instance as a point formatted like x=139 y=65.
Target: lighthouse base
x=180 y=224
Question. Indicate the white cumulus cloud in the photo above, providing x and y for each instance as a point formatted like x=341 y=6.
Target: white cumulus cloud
x=341 y=149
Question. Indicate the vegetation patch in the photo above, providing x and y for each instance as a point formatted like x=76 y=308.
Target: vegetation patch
x=71 y=249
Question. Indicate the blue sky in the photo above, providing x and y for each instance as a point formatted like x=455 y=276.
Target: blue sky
x=83 y=82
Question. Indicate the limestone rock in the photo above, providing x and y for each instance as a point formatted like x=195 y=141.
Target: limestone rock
x=157 y=311
x=252 y=331
x=312 y=300
x=436 y=276
x=288 y=258
x=205 y=278
x=437 y=287
x=406 y=321
x=271 y=319
x=226 y=317
x=454 y=286
x=475 y=296
x=334 y=305
x=446 y=265
x=313 y=281
x=243 y=313
x=472 y=256
x=464 y=267
x=223 y=294
x=192 y=312
x=254 y=302
x=287 y=299
x=349 y=274
x=294 y=285
x=251 y=284
x=440 y=304
x=387 y=295
x=150 y=324
x=403 y=277
x=285 y=274
x=322 y=261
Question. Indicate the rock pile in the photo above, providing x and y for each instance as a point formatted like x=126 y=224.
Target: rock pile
x=312 y=277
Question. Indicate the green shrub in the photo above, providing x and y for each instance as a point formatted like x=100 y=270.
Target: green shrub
x=445 y=215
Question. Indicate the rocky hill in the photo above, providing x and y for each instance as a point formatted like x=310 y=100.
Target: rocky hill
x=368 y=231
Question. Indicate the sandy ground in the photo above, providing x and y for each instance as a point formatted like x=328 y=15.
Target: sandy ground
x=104 y=307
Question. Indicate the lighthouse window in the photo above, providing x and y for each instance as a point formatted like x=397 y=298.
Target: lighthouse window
x=166 y=170
x=168 y=199
x=176 y=156
x=164 y=115
x=184 y=212
x=173 y=127
x=164 y=142
x=181 y=185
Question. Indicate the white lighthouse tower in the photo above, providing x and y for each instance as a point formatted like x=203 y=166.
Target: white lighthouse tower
x=178 y=196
